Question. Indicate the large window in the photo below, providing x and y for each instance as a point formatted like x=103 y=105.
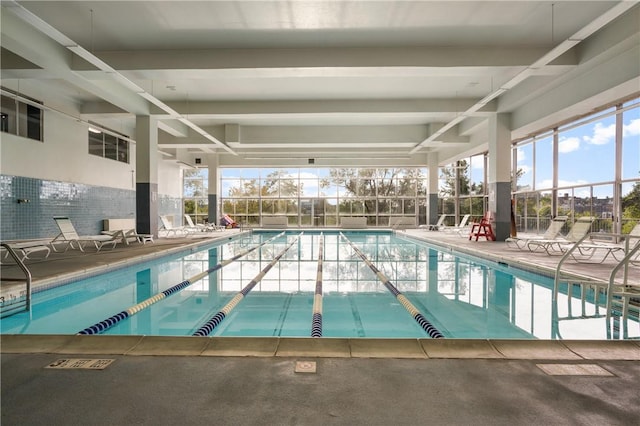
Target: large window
x=22 y=118
x=195 y=194
x=108 y=145
x=571 y=170
x=462 y=189
x=320 y=197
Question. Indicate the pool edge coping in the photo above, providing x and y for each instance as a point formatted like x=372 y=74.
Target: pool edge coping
x=309 y=347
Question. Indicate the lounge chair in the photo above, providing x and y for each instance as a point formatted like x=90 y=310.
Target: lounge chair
x=585 y=250
x=68 y=233
x=551 y=233
x=439 y=224
x=559 y=245
x=167 y=226
x=24 y=249
x=460 y=228
x=209 y=227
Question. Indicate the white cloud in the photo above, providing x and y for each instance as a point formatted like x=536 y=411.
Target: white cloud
x=547 y=183
x=601 y=135
x=632 y=129
x=566 y=145
x=521 y=155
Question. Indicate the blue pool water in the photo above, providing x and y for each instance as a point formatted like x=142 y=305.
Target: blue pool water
x=459 y=296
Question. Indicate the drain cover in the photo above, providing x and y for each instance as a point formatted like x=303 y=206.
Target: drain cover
x=574 y=370
x=305 y=367
x=78 y=363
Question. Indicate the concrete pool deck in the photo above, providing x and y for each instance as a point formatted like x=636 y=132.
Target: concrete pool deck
x=253 y=381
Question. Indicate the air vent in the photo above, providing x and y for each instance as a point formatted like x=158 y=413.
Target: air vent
x=312 y=160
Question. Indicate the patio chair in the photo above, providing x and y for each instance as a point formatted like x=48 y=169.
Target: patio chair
x=559 y=245
x=209 y=227
x=586 y=250
x=551 y=233
x=167 y=226
x=460 y=228
x=24 y=249
x=69 y=234
x=439 y=224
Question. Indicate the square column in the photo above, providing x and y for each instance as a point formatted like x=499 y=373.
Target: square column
x=432 y=191
x=499 y=177
x=212 y=163
x=147 y=175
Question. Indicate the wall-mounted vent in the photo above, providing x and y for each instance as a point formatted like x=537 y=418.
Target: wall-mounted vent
x=312 y=160
x=198 y=160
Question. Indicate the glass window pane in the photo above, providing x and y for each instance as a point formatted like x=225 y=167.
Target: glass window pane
x=477 y=175
x=589 y=147
x=96 y=144
x=123 y=151
x=110 y=147
x=631 y=144
x=8 y=115
x=544 y=163
x=524 y=167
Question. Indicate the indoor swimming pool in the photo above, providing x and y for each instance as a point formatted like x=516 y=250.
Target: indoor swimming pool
x=371 y=284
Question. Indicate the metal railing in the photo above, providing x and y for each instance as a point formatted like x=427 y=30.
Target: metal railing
x=12 y=306
x=616 y=294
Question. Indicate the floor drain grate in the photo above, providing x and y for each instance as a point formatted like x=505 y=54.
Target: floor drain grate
x=79 y=363
x=574 y=370
x=305 y=367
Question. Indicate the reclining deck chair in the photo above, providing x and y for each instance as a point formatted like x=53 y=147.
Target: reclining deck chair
x=438 y=224
x=551 y=233
x=460 y=228
x=559 y=245
x=24 y=249
x=585 y=250
x=167 y=226
x=68 y=233
x=200 y=226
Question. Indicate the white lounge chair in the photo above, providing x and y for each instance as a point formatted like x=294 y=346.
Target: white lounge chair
x=439 y=224
x=559 y=245
x=176 y=231
x=209 y=227
x=461 y=228
x=24 y=249
x=551 y=233
x=68 y=233
x=586 y=249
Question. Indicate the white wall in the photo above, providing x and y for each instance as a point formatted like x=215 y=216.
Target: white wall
x=64 y=156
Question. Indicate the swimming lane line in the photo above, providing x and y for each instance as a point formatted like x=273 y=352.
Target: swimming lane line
x=316 y=320
x=208 y=327
x=413 y=311
x=115 y=319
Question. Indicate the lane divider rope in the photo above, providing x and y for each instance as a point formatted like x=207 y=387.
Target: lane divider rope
x=208 y=327
x=316 y=320
x=115 y=319
x=413 y=311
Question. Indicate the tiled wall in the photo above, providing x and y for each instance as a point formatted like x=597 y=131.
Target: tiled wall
x=86 y=206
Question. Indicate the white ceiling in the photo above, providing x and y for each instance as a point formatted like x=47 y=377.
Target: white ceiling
x=307 y=77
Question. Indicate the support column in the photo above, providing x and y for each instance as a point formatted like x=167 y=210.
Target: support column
x=432 y=191
x=147 y=175
x=499 y=184
x=212 y=163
